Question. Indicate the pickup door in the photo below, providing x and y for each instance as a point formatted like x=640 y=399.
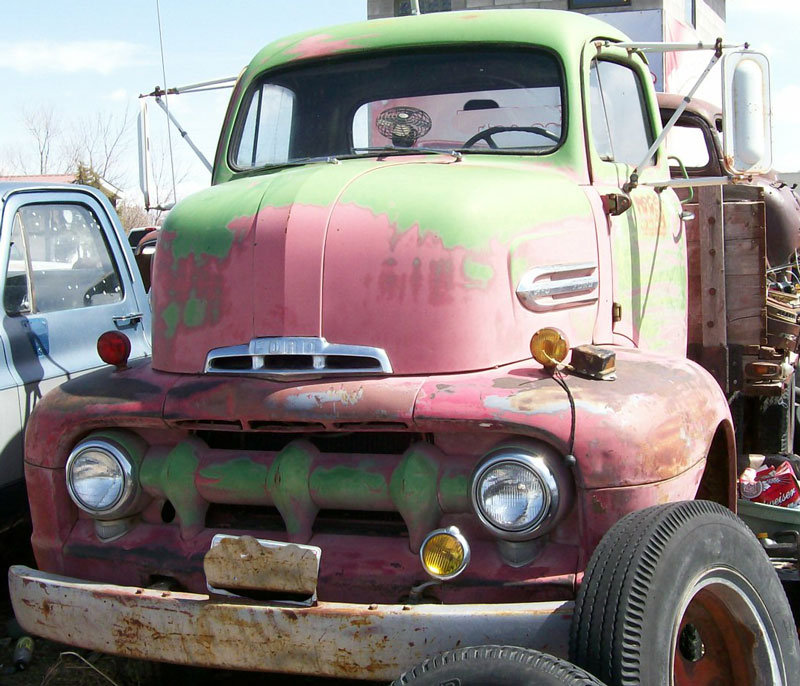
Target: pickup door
x=67 y=279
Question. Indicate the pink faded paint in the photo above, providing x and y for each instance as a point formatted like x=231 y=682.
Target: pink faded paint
x=221 y=287
x=288 y=256
x=323 y=44
x=406 y=292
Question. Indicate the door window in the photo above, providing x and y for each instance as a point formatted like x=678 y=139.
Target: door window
x=59 y=260
x=619 y=122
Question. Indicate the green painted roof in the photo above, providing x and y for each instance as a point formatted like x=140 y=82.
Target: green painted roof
x=560 y=30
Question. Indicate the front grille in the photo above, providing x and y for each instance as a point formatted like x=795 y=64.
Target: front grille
x=338 y=522
x=297 y=358
x=364 y=442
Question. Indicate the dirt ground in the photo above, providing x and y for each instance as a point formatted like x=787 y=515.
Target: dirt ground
x=52 y=664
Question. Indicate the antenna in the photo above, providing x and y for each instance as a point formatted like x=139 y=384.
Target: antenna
x=166 y=101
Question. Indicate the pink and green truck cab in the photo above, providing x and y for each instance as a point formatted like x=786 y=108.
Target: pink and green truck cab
x=342 y=372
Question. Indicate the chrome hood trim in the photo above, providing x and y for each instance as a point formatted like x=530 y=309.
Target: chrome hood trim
x=294 y=358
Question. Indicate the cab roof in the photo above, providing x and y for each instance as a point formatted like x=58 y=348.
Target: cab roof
x=562 y=31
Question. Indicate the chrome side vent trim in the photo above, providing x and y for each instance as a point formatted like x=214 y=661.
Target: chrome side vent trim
x=297 y=358
x=558 y=285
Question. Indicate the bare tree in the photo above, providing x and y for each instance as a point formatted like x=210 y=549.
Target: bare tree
x=100 y=142
x=44 y=129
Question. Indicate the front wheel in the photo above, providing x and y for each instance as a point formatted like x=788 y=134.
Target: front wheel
x=683 y=594
x=495 y=665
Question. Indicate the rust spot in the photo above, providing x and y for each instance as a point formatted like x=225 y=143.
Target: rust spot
x=597 y=506
x=510 y=382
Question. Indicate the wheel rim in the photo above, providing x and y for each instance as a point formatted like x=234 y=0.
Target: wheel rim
x=723 y=635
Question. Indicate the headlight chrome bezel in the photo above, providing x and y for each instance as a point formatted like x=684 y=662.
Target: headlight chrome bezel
x=544 y=463
x=129 y=491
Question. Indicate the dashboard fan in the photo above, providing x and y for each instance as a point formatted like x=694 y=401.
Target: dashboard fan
x=403 y=125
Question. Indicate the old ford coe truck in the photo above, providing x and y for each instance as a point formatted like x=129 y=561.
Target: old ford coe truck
x=419 y=381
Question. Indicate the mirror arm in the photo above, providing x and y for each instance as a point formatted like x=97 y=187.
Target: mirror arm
x=634 y=178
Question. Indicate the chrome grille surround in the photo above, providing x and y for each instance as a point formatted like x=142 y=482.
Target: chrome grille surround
x=294 y=358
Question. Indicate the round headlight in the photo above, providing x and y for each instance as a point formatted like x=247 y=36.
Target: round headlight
x=515 y=493
x=99 y=478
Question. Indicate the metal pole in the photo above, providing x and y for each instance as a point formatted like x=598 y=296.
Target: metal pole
x=184 y=135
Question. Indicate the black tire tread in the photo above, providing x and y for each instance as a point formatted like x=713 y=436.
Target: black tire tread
x=568 y=673
x=608 y=640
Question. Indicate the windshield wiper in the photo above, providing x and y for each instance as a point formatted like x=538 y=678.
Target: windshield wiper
x=385 y=151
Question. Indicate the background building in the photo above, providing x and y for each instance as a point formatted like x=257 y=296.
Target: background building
x=680 y=21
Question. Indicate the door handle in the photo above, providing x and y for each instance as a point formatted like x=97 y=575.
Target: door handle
x=123 y=320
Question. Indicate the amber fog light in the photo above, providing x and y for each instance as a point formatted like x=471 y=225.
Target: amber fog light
x=444 y=553
x=549 y=347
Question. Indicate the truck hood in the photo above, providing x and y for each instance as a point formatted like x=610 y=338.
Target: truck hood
x=418 y=257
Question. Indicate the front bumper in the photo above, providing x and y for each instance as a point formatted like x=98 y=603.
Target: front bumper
x=375 y=642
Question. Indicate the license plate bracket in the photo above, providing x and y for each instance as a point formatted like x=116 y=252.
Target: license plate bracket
x=236 y=565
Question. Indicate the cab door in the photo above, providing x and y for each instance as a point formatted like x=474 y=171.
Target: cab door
x=67 y=280
x=647 y=243
x=10 y=435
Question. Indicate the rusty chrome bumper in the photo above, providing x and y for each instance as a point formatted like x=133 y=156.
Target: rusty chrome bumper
x=375 y=642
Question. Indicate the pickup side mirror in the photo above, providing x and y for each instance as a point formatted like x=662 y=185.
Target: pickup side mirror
x=746 y=113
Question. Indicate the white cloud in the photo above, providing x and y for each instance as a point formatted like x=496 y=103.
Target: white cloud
x=119 y=95
x=99 y=56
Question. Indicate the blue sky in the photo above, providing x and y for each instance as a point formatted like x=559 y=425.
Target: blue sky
x=82 y=58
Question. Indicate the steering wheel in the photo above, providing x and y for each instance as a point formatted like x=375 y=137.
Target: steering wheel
x=486 y=134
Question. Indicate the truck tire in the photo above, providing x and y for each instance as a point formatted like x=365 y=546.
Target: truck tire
x=683 y=594
x=496 y=665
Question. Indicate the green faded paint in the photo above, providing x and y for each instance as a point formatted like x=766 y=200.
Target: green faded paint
x=171 y=315
x=199 y=226
x=568 y=32
x=133 y=444
x=478 y=272
x=194 y=311
x=173 y=477
x=531 y=197
x=414 y=491
x=288 y=484
x=454 y=492
x=241 y=479
x=360 y=485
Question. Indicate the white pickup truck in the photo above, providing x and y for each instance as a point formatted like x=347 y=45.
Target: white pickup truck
x=68 y=276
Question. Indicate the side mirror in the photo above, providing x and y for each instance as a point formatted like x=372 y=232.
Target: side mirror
x=746 y=113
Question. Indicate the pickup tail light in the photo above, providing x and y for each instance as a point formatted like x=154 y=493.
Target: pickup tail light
x=114 y=347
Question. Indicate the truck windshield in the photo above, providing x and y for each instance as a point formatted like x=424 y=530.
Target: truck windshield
x=472 y=100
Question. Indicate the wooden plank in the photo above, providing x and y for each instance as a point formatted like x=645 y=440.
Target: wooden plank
x=746 y=330
x=744 y=257
x=712 y=267
x=744 y=220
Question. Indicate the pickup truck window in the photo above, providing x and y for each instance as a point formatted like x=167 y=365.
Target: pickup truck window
x=619 y=122
x=59 y=260
x=478 y=100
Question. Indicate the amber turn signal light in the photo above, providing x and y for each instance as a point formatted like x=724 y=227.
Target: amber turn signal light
x=549 y=347
x=114 y=347
x=444 y=553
